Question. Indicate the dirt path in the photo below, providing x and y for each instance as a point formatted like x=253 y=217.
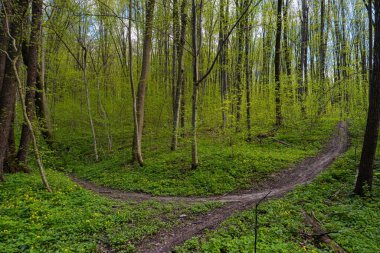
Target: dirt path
x=279 y=184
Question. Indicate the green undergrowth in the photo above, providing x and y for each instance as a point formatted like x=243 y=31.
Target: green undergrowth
x=72 y=219
x=353 y=222
x=227 y=161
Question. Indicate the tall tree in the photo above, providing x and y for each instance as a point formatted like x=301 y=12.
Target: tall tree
x=180 y=74
x=3 y=45
x=302 y=89
x=223 y=59
x=365 y=173
x=248 y=71
x=142 y=86
x=322 y=42
x=287 y=51
x=14 y=14
x=32 y=63
x=238 y=65
x=194 y=146
x=277 y=67
x=136 y=152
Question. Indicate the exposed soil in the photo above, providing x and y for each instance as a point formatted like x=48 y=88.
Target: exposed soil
x=278 y=184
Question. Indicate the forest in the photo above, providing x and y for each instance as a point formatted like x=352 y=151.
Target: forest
x=189 y=126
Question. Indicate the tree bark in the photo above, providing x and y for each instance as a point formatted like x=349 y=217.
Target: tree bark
x=33 y=50
x=3 y=46
x=288 y=63
x=180 y=75
x=223 y=14
x=302 y=89
x=136 y=148
x=15 y=16
x=238 y=66
x=248 y=74
x=365 y=173
x=277 y=67
x=370 y=40
x=142 y=86
x=194 y=148
x=322 y=43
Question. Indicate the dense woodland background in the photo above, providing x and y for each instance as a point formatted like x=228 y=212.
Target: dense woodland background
x=150 y=92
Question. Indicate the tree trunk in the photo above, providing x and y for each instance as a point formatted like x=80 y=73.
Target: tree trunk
x=180 y=75
x=288 y=63
x=322 y=43
x=136 y=148
x=370 y=40
x=248 y=73
x=183 y=106
x=277 y=67
x=238 y=67
x=194 y=147
x=174 y=53
x=33 y=50
x=3 y=47
x=142 y=86
x=365 y=174
x=223 y=13
x=10 y=164
x=15 y=16
x=302 y=89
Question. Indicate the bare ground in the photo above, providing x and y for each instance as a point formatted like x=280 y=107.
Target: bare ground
x=278 y=184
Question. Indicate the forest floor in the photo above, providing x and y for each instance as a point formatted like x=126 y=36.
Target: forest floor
x=212 y=206
x=276 y=186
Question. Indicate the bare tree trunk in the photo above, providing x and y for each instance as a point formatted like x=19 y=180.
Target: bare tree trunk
x=322 y=43
x=302 y=89
x=10 y=164
x=174 y=53
x=365 y=174
x=248 y=74
x=142 y=86
x=322 y=55
x=238 y=67
x=277 y=67
x=288 y=63
x=194 y=147
x=14 y=16
x=183 y=106
x=3 y=47
x=136 y=152
x=33 y=50
x=180 y=77
x=370 y=40
x=223 y=13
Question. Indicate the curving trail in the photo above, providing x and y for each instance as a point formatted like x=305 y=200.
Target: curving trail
x=278 y=184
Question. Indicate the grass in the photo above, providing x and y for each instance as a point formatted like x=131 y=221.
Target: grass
x=75 y=220
x=353 y=222
x=227 y=162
